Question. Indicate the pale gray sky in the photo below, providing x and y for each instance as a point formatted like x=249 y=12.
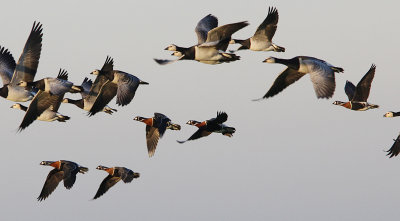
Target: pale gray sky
x=293 y=157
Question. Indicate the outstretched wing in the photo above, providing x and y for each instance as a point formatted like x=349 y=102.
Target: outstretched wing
x=364 y=86
x=29 y=60
x=152 y=137
x=268 y=27
x=105 y=95
x=107 y=183
x=204 y=26
x=395 y=149
x=221 y=118
x=51 y=183
x=127 y=86
x=198 y=134
x=7 y=65
x=350 y=89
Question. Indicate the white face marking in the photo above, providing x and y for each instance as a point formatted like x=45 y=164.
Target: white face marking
x=95 y=72
x=270 y=60
x=171 y=47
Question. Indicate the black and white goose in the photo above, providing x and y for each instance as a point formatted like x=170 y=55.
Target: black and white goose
x=48 y=115
x=115 y=174
x=111 y=82
x=358 y=95
x=322 y=75
x=212 y=43
x=63 y=170
x=262 y=38
x=25 y=70
x=87 y=102
x=45 y=104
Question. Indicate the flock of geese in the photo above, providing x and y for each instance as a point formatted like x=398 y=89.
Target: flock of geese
x=47 y=94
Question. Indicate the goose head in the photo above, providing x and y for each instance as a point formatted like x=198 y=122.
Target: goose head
x=192 y=122
x=388 y=114
x=95 y=72
x=339 y=103
x=17 y=106
x=100 y=167
x=139 y=118
x=23 y=84
x=177 y=53
x=171 y=47
x=270 y=60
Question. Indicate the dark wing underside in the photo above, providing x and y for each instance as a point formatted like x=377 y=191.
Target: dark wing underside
x=152 y=137
x=350 y=89
x=198 y=134
x=29 y=60
x=395 y=149
x=70 y=171
x=7 y=65
x=221 y=118
x=107 y=183
x=204 y=26
x=106 y=94
x=268 y=27
x=286 y=78
x=52 y=181
x=364 y=86
x=39 y=104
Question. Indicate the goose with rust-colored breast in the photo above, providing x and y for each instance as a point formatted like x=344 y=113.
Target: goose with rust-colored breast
x=115 y=174
x=63 y=170
x=213 y=125
x=155 y=129
x=358 y=95
x=25 y=70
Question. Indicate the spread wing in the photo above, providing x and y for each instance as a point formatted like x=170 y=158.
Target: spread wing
x=108 y=65
x=105 y=95
x=152 y=137
x=198 y=134
x=29 y=60
x=268 y=27
x=395 y=149
x=286 y=78
x=166 y=61
x=127 y=86
x=364 y=86
x=323 y=79
x=70 y=171
x=39 y=104
x=225 y=31
x=204 y=26
x=107 y=183
x=86 y=85
x=221 y=118
x=7 y=65
x=51 y=183
x=350 y=89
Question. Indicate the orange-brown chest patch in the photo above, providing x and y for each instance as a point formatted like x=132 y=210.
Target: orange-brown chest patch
x=347 y=105
x=56 y=164
x=110 y=171
x=148 y=121
x=204 y=123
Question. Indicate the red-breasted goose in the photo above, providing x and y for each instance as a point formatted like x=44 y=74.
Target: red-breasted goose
x=111 y=82
x=321 y=74
x=115 y=174
x=63 y=170
x=262 y=38
x=155 y=129
x=213 y=125
x=46 y=104
x=25 y=70
x=395 y=149
x=358 y=95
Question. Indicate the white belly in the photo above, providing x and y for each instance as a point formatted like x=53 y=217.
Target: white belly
x=207 y=54
x=260 y=45
x=18 y=94
x=48 y=115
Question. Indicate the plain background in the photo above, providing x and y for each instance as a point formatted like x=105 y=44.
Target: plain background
x=293 y=157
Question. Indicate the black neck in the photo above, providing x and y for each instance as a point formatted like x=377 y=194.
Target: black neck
x=245 y=44
x=4 y=91
x=24 y=108
x=291 y=63
x=78 y=103
x=37 y=84
x=396 y=114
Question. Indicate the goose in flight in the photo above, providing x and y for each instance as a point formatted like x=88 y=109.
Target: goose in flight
x=45 y=104
x=25 y=70
x=109 y=83
x=115 y=174
x=321 y=74
x=358 y=95
x=262 y=38
x=87 y=101
x=155 y=129
x=391 y=114
x=212 y=43
x=48 y=115
x=63 y=170
x=395 y=149
x=213 y=125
